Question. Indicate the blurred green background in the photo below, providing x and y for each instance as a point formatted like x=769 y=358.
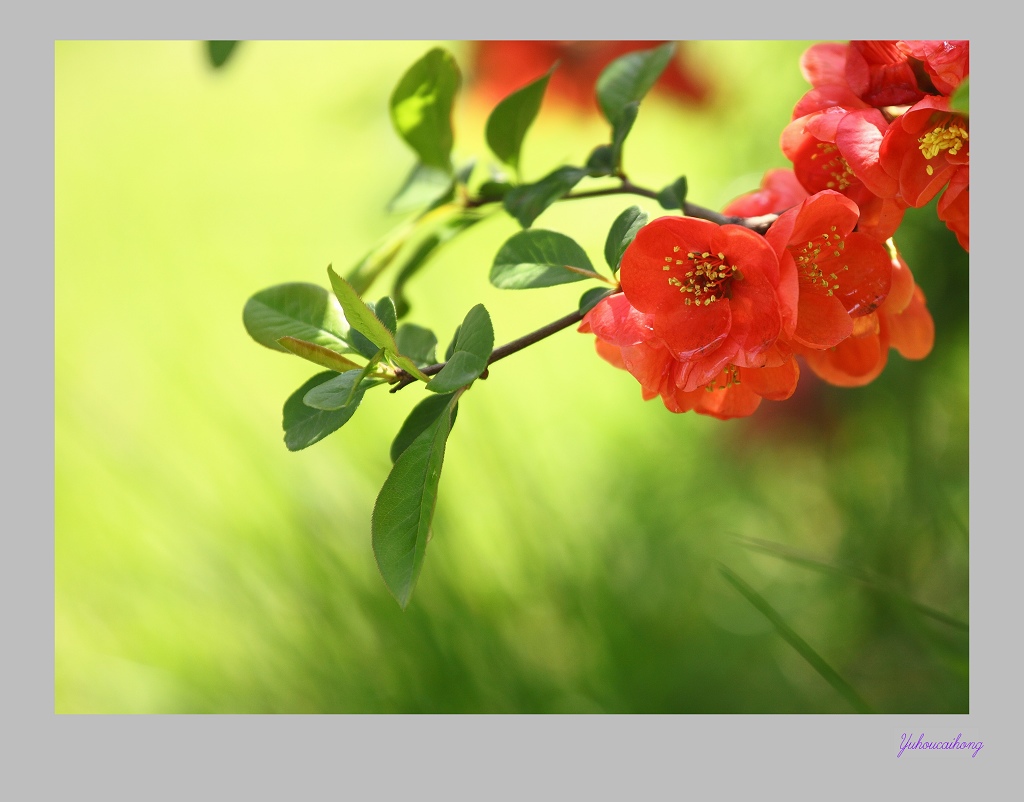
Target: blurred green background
x=200 y=567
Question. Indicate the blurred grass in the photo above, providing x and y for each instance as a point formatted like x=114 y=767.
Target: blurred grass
x=200 y=567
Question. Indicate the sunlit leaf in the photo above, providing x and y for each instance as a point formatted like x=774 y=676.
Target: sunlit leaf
x=421 y=107
x=303 y=425
x=362 y=319
x=473 y=347
x=526 y=202
x=538 y=258
x=402 y=514
x=304 y=311
x=318 y=355
x=622 y=233
x=629 y=78
x=511 y=119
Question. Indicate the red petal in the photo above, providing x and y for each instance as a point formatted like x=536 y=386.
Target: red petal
x=912 y=332
x=859 y=137
x=853 y=363
x=775 y=383
x=616 y=321
x=692 y=331
x=822 y=321
x=866 y=283
x=642 y=274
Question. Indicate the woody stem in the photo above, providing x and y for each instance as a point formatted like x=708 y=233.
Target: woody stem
x=505 y=350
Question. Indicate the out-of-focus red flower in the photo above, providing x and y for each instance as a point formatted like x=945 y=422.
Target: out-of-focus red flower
x=713 y=293
x=498 y=68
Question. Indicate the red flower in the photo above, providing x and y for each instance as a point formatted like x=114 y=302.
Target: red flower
x=712 y=293
x=880 y=74
x=924 y=148
x=625 y=339
x=947 y=63
x=498 y=68
x=901 y=322
x=954 y=207
x=841 y=274
x=810 y=142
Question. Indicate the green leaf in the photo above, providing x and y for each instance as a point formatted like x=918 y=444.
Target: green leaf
x=421 y=107
x=961 y=100
x=620 y=130
x=304 y=425
x=219 y=51
x=318 y=355
x=674 y=195
x=304 y=311
x=362 y=318
x=384 y=309
x=339 y=391
x=462 y=369
x=473 y=347
x=417 y=343
x=538 y=258
x=423 y=186
x=601 y=161
x=622 y=232
x=629 y=78
x=804 y=649
x=450 y=350
x=493 y=190
x=400 y=525
x=526 y=202
x=511 y=119
x=593 y=296
x=421 y=416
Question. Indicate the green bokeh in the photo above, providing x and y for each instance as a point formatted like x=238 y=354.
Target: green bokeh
x=201 y=567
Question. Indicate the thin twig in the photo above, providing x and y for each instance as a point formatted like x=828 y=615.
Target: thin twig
x=500 y=353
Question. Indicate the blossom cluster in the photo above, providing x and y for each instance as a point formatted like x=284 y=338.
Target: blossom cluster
x=713 y=318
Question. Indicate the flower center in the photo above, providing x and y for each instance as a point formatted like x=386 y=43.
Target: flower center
x=726 y=379
x=814 y=261
x=949 y=136
x=836 y=168
x=703 y=277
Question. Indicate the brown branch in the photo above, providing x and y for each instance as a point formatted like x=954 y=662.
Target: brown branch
x=499 y=353
x=759 y=224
